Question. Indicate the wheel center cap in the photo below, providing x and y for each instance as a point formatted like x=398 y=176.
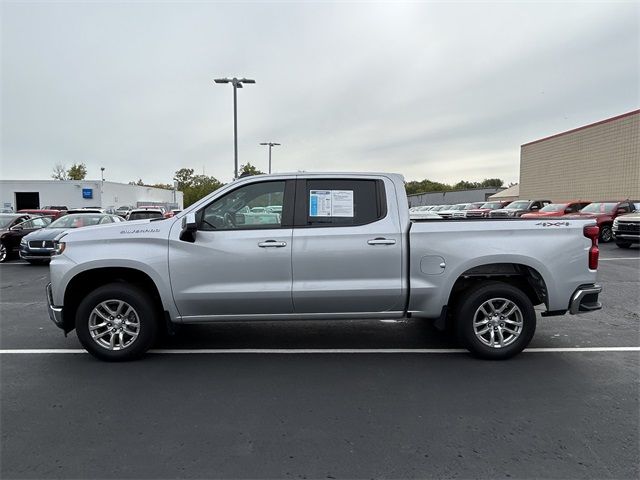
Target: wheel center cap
x=117 y=322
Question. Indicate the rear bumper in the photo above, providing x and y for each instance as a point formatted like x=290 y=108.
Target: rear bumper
x=55 y=313
x=585 y=299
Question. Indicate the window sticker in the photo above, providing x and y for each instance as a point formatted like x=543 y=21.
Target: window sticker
x=342 y=203
x=331 y=203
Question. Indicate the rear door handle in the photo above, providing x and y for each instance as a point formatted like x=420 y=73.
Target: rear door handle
x=382 y=241
x=272 y=243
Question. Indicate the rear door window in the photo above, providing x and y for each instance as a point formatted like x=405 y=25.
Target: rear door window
x=335 y=203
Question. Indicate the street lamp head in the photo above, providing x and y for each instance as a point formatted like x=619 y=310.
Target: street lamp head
x=222 y=80
x=246 y=80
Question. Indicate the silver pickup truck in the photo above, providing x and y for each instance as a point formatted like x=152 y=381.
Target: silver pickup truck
x=325 y=246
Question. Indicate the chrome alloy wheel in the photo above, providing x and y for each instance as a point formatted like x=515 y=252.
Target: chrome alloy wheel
x=3 y=252
x=114 y=324
x=498 y=322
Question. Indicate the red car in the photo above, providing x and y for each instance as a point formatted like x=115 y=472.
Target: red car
x=46 y=212
x=557 y=210
x=604 y=213
x=484 y=209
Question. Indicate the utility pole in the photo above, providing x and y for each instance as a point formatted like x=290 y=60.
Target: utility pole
x=237 y=83
x=271 y=144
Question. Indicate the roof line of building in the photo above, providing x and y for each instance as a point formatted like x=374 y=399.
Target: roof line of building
x=458 y=190
x=607 y=120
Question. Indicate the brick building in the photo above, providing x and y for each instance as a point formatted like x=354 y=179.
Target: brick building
x=600 y=161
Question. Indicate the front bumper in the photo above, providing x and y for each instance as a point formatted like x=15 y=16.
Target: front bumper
x=28 y=253
x=55 y=313
x=585 y=299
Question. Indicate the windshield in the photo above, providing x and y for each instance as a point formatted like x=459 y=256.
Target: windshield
x=599 y=208
x=492 y=205
x=6 y=220
x=518 y=205
x=144 y=215
x=554 y=207
x=79 y=220
x=471 y=206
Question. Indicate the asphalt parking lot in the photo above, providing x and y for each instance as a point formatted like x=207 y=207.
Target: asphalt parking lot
x=324 y=399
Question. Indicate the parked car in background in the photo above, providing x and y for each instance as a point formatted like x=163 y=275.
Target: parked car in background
x=439 y=208
x=519 y=208
x=10 y=239
x=55 y=207
x=448 y=212
x=7 y=222
x=555 y=210
x=462 y=213
x=424 y=215
x=145 y=213
x=626 y=229
x=604 y=213
x=55 y=213
x=486 y=208
x=123 y=210
x=37 y=247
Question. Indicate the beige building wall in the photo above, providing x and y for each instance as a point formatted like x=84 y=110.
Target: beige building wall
x=596 y=162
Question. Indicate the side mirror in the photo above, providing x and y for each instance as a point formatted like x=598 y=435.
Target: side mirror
x=189 y=228
x=568 y=210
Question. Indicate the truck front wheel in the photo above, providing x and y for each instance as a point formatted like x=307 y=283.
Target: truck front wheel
x=495 y=321
x=116 y=322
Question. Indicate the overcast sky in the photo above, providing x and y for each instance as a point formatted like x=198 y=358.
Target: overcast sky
x=443 y=91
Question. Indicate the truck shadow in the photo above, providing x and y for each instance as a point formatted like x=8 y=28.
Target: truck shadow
x=298 y=334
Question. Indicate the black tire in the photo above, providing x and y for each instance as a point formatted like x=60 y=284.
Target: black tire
x=623 y=244
x=606 y=233
x=470 y=304
x=147 y=316
x=4 y=252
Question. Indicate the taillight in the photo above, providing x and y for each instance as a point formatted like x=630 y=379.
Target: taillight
x=592 y=232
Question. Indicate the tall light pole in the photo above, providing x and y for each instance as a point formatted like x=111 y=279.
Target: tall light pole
x=271 y=144
x=237 y=83
x=102 y=173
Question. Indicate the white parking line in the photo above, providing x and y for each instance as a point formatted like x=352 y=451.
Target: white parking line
x=620 y=258
x=298 y=351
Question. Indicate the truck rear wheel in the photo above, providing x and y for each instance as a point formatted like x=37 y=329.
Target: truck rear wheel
x=495 y=321
x=116 y=322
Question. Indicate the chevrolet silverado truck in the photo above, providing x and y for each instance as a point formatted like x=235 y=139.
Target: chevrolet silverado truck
x=342 y=247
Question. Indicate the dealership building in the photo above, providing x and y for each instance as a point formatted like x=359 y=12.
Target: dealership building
x=600 y=161
x=22 y=194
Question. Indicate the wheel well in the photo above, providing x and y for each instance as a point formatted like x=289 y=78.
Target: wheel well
x=525 y=278
x=87 y=281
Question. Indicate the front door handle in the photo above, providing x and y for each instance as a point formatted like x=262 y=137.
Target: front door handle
x=382 y=241
x=272 y=243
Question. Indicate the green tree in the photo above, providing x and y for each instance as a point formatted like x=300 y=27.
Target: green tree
x=195 y=187
x=78 y=171
x=59 y=172
x=491 y=182
x=249 y=169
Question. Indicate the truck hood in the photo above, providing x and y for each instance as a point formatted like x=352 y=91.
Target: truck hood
x=45 y=234
x=123 y=230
